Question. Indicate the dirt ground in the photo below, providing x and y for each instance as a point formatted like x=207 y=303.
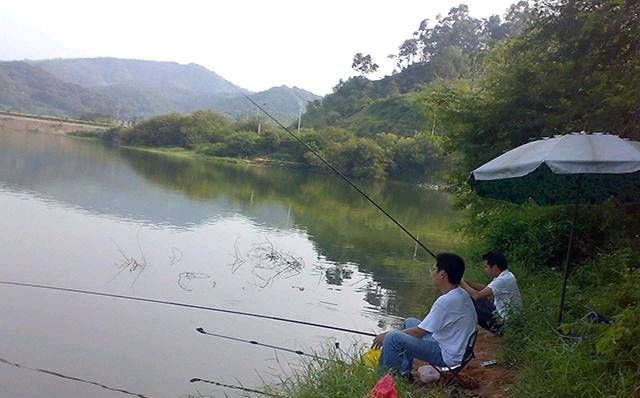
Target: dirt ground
x=491 y=381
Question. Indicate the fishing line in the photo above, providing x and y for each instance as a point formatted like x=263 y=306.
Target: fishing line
x=335 y=170
x=268 y=394
x=199 y=307
x=207 y=333
x=56 y=374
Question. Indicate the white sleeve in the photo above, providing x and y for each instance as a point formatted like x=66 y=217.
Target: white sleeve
x=434 y=319
x=496 y=285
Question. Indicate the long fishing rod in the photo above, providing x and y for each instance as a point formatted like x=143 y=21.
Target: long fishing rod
x=199 y=307
x=234 y=387
x=72 y=378
x=339 y=173
x=222 y=336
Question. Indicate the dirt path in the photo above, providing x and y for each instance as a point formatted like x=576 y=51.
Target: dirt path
x=485 y=382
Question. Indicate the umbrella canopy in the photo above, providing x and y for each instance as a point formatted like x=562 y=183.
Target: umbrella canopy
x=568 y=169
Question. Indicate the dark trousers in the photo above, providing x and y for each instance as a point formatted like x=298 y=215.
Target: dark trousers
x=487 y=315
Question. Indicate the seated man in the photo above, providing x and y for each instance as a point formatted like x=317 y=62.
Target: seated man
x=442 y=336
x=503 y=288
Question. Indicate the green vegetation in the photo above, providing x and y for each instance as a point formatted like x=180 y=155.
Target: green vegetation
x=574 y=68
x=550 y=68
x=344 y=377
x=378 y=157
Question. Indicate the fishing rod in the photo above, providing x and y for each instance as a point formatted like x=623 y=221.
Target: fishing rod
x=301 y=353
x=241 y=388
x=193 y=306
x=72 y=378
x=339 y=173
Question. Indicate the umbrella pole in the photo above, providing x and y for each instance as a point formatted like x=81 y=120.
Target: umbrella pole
x=566 y=263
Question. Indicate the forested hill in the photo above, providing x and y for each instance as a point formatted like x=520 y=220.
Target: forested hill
x=169 y=76
x=283 y=102
x=124 y=88
x=26 y=88
x=452 y=48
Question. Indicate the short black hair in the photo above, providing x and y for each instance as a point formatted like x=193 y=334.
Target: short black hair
x=452 y=264
x=496 y=258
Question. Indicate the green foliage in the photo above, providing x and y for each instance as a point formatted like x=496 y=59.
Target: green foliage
x=361 y=158
x=416 y=158
x=210 y=134
x=241 y=144
x=205 y=126
x=363 y=64
x=343 y=376
x=604 y=362
x=574 y=69
x=161 y=131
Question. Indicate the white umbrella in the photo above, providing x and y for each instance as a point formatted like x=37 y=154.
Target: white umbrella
x=568 y=169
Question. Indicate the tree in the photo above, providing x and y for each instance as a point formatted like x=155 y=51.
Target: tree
x=364 y=64
x=575 y=68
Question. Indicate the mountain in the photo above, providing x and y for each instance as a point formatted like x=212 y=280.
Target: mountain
x=145 y=88
x=27 y=88
x=104 y=72
x=282 y=102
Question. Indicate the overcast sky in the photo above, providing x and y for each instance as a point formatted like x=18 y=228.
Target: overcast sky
x=254 y=44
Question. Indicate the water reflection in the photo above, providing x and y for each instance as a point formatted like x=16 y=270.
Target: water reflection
x=343 y=227
x=187 y=193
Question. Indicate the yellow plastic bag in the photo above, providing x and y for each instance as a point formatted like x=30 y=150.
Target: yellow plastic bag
x=371 y=357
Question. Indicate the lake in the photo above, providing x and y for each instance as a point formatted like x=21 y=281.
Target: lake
x=79 y=215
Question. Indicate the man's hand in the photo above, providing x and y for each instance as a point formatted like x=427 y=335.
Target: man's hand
x=377 y=341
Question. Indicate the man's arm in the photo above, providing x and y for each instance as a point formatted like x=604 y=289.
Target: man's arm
x=475 y=294
x=474 y=285
x=414 y=331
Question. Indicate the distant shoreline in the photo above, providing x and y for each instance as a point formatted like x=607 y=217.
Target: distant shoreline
x=50 y=121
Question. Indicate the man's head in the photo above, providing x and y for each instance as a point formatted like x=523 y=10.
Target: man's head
x=447 y=271
x=494 y=263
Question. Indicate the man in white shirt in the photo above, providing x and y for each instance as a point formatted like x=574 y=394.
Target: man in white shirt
x=442 y=336
x=503 y=288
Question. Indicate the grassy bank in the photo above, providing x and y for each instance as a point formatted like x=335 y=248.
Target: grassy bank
x=582 y=358
x=603 y=361
x=344 y=378
x=600 y=359
x=193 y=154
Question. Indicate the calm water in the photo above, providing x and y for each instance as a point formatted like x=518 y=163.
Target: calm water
x=78 y=215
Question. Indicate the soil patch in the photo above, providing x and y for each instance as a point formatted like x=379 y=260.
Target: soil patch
x=477 y=381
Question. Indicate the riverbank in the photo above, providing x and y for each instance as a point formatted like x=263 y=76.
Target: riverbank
x=24 y=122
x=354 y=379
x=583 y=359
x=185 y=153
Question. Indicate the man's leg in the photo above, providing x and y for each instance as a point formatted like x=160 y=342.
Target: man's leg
x=486 y=315
x=410 y=323
x=399 y=349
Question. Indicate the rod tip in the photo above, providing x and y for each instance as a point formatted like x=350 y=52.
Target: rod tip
x=195 y=379
x=200 y=330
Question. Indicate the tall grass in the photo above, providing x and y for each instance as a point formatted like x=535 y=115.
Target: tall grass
x=549 y=365
x=344 y=376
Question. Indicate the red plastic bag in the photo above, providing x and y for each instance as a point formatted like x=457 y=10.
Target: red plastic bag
x=384 y=388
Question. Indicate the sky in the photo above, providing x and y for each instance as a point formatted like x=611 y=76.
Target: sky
x=254 y=44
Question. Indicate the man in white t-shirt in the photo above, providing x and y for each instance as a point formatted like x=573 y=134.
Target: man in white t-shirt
x=503 y=288
x=441 y=337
